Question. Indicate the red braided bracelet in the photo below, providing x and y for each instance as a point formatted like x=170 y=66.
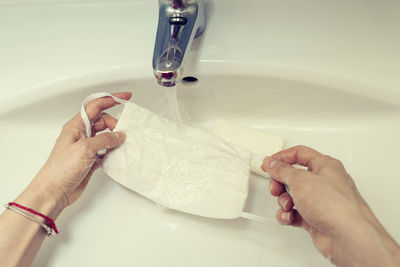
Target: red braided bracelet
x=48 y=220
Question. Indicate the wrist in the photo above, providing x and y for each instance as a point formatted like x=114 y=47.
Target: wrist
x=44 y=198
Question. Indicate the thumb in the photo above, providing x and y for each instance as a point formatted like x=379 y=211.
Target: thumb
x=280 y=171
x=106 y=141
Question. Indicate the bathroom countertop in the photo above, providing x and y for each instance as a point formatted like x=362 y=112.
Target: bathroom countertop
x=43 y=41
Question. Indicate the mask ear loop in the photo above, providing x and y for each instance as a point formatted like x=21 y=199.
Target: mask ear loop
x=257 y=218
x=84 y=115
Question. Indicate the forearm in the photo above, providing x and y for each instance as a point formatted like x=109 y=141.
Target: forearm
x=364 y=243
x=21 y=237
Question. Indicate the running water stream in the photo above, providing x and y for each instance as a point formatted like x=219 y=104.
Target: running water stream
x=172 y=99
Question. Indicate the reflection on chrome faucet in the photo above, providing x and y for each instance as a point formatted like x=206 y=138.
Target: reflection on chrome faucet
x=179 y=22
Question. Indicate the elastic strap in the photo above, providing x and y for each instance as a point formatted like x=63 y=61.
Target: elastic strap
x=84 y=115
x=257 y=218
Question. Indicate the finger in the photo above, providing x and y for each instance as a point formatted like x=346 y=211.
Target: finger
x=301 y=155
x=96 y=106
x=284 y=217
x=298 y=221
x=281 y=171
x=285 y=202
x=105 y=121
x=95 y=166
x=308 y=157
x=275 y=188
x=105 y=141
x=93 y=109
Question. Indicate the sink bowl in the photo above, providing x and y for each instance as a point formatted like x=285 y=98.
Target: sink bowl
x=112 y=226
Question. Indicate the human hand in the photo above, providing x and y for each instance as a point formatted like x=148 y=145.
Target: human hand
x=60 y=182
x=324 y=201
x=72 y=161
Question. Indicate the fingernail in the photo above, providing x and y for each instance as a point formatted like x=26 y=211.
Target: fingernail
x=285 y=216
x=285 y=202
x=272 y=163
x=268 y=163
x=264 y=165
x=263 y=168
x=120 y=135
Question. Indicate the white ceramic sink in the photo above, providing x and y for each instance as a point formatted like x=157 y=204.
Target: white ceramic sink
x=112 y=226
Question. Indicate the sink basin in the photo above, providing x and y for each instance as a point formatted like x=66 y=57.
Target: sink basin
x=112 y=226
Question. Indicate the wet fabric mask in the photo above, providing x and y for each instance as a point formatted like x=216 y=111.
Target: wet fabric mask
x=182 y=168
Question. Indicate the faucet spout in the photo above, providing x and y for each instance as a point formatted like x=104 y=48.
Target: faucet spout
x=179 y=22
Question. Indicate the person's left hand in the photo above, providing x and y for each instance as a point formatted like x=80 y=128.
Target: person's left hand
x=72 y=161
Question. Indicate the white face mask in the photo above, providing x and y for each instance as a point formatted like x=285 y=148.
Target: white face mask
x=185 y=168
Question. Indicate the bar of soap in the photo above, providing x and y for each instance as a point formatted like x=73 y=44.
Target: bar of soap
x=259 y=143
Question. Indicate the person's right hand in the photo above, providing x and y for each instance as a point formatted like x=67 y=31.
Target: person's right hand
x=324 y=201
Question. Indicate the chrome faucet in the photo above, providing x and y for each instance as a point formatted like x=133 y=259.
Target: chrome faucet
x=179 y=22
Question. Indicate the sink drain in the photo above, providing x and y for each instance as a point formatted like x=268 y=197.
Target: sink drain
x=190 y=81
